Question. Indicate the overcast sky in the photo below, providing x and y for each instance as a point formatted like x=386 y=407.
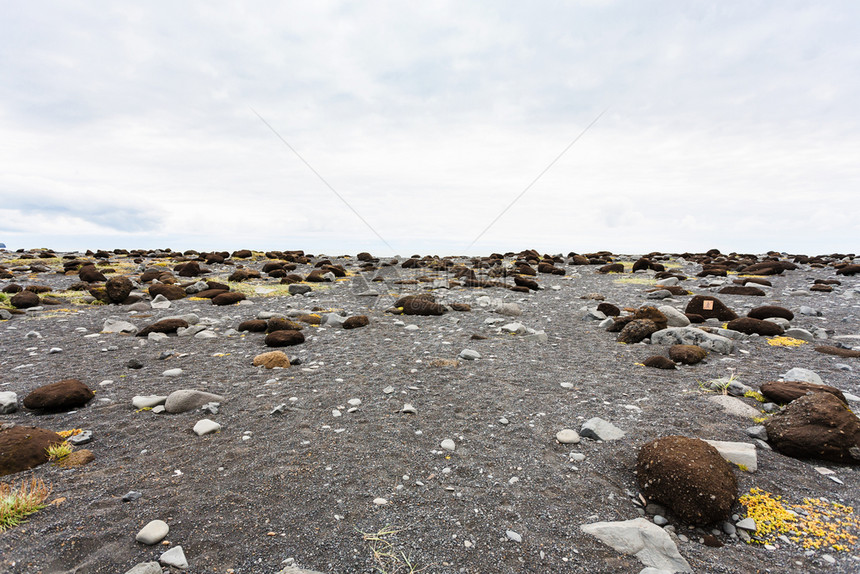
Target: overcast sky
x=733 y=125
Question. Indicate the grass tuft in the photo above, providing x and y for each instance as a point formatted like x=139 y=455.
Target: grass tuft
x=18 y=503
x=59 y=451
x=386 y=558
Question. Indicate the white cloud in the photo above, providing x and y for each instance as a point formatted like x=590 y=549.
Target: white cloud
x=730 y=125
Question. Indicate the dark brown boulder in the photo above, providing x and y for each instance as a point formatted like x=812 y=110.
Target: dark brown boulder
x=818 y=426
x=284 y=338
x=312 y=319
x=315 y=276
x=653 y=314
x=282 y=324
x=229 y=298
x=252 y=325
x=694 y=318
x=709 y=308
x=24 y=300
x=170 y=292
x=782 y=392
x=12 y=288
x=636 y=330
x=356 y=321
x=612 y=268
x=756 y=280
x=118 y=288
x=673 y=289
x=521 y=281
x=90 y=274
x=688 y=476
x=609 y=309
x=189 y=269
x=739 y=290
x=619 y=323
x=821 y=288
x=419 y=305
x=659 y=362
x=24 y=447
x=848 y=270
x=164 y=326
x=210 y=293
x=687 y=354
x=838 y=351
x=768 y=311
x=242 y=254
x=61 y=396
x=239 y=275
x=752 y=326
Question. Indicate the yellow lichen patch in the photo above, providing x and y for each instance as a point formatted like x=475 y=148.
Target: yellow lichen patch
x=636 y=280
x=785 y=342
x=68 y=433
x=814 y=524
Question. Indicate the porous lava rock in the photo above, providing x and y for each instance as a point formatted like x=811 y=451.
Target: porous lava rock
x=253 y=325
x=838 y=351
x=636 y=330
x=752 y=326
x=709 y=308
x=284 y=338
x=76 y=458
x=165 y=326
x=356 y=321
x=118 y=288
x=23 y=447
x=687 y=354
x=742 y=290
x=169 y=292
x=659 y=362
x=61 y=396
x=272 y=359
x=24 y=300
x=688 y=476
x=768 y=311
x=818 y=426
x=782 y=392
x=229 y=298
x=619 y=323
x=189 y=269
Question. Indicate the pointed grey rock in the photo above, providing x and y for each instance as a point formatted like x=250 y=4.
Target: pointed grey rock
x=643 y=539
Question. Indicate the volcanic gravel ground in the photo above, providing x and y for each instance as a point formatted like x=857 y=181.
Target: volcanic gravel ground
x=303 y=484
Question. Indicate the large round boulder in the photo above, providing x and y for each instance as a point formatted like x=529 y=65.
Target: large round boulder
x=284 y=338
x=636 y=330
x=709 y=308
x=768 y=311
x=170 y=292
x=752 y=326
x=24 y=300
x=818 y=426
x=688 y=476
x=61 y=396
x=24 y=447
x=356 y=321
x=419 y=305
x=118 y=288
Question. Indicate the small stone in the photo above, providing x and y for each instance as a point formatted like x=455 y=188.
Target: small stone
x=513 y=536
x=380 y=501
x=408 y=408
x=469 y=355
x=8 y=402
x=660 y=521
x=567 y=436
x=448 y=445
x=131 y=496
x=174 y=557
x=153 y=533
x=206 y=426
x=599 y=429
x=145 y=568
x=747 y=524
x=83 y=437
x=172 y=372
x=147 y=401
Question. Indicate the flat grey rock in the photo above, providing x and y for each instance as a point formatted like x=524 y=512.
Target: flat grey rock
x=735 y=406
x=598 y=429
x=739 y=453
x=145 y=568
x=174 y=557
x=693 y=336
x=469 y=355
x=153 y=533
x=185 y=400
x=8 y=402
x=147 y=401
x=112 y=325
x=641 y=538
x=206 y=426
x=802 y=375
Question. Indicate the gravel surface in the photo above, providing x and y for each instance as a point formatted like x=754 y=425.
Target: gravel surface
x=310 y=485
